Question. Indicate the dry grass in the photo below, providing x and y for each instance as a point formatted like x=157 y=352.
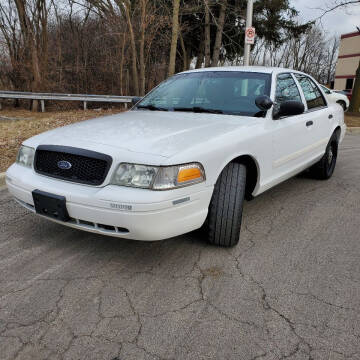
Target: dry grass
x=19 y=125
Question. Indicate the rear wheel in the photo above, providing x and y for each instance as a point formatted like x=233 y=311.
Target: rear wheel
x=324 y=169
x=223 y=223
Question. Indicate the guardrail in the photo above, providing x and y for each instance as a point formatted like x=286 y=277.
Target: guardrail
x=64 y=97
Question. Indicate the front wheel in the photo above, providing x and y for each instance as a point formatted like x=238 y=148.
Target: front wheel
x=222 y=226
x=325 y=167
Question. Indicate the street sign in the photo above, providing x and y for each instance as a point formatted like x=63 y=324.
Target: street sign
x=250 y=35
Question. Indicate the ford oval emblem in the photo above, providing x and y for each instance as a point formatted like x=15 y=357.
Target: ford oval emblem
x=64 y=165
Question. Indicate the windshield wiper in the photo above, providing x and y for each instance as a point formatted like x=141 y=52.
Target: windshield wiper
x=151 y=107
x=198 y=109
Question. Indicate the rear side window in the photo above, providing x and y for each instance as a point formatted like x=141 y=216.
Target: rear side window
x=313 y=96
x=325 y=89
x=286 y=89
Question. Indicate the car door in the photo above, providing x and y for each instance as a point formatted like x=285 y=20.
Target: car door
x=318 y=114
x=291 y=135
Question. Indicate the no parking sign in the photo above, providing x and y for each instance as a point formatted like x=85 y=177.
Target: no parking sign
x=250 y=35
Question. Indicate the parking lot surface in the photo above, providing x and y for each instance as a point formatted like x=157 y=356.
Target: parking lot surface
x=289 y=290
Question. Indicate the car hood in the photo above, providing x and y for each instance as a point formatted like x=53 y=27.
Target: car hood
x=150 y=132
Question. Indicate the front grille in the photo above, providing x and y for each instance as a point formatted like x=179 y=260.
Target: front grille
x=86 y=167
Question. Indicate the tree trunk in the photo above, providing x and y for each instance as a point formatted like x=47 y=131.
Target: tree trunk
x=183 y=49
x=174 y=37
x=36 y=76
x=122 y=65
x=127 y=83
x=200 y=56
x=29 y=37
x=135 y=78
x=332 y=59
x=219 y=34
x=355 y=98
x=142 y=45
x=207 y=34
x=199 y=60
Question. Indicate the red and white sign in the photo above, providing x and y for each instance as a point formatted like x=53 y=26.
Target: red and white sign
x=250 y=35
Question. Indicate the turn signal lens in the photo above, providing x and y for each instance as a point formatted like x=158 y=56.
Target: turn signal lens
x=172 y=177
x=189 y=174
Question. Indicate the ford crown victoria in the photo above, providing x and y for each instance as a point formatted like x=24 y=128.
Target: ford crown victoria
x=184 y=157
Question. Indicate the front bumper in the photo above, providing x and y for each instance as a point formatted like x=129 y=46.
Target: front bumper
x=118 y=211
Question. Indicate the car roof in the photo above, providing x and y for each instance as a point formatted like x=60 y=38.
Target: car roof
x=261 y=69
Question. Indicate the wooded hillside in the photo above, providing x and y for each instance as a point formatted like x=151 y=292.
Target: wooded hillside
x=126 y=47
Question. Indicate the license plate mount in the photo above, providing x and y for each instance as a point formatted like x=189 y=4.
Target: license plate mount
x=50 y=205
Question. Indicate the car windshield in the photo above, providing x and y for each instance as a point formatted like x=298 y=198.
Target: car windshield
x=219 y=92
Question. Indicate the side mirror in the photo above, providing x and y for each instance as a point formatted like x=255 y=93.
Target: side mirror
x=289 y=108
x=135 y=100
x=263 y=102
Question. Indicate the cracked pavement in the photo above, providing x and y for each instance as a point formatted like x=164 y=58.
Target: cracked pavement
x=289 y=290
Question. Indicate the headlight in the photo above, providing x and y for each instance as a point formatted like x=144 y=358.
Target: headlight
x=158 y=177
x=25 y=156
x=134 y=175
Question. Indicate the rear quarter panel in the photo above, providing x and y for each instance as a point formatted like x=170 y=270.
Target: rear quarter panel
x=338 y=117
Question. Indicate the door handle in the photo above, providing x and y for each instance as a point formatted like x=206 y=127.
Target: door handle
x=309 y=123
x=330 y=116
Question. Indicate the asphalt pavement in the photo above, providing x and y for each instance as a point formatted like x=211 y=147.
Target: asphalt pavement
x=289 y=290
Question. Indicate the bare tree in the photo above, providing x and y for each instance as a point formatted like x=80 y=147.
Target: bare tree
x=207 y=34
x=336 y=4
x=143 y=5
x=310 y=52
x=122 y=46
x=127 y=7
x=12 y=44
x=174 y=36
x=23 y=24
x=219 y=33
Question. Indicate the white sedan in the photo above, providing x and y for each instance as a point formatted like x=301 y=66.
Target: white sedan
x=336 y=97
x=184 y=157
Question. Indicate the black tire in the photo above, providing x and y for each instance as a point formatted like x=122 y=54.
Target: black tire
x=342 y=103
x=325 y=167
x=222 y=226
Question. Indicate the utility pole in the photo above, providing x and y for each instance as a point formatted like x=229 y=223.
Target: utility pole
x=249 y=16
